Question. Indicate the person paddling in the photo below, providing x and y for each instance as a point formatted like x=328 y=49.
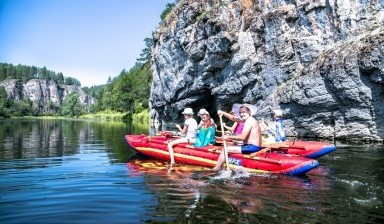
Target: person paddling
x=251 y=134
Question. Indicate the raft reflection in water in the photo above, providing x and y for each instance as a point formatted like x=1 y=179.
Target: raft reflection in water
x=190 y=192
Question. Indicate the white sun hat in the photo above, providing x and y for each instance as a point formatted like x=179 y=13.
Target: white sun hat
x=278 y=113
x=188 y=111
x=236 y=109
x=251 y=107
x=203 y=111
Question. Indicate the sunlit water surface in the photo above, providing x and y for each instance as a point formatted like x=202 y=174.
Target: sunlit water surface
x=61 y=171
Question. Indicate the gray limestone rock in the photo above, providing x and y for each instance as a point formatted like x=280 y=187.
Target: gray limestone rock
x=321 y=62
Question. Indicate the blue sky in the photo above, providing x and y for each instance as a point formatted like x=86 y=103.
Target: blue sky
x=89 y=40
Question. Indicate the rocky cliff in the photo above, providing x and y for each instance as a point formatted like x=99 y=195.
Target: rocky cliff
x=321 y=62
x=45 y=95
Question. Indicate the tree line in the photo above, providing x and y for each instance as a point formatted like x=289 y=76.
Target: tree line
x=25 y=73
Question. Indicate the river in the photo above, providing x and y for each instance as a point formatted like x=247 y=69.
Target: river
x=71 y=171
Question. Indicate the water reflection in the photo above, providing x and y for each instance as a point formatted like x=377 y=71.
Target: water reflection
x=40 y=138
x=24 y=139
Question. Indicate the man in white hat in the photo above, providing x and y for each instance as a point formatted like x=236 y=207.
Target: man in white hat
x=250 y=135
x=189 y=132
x=278 y=127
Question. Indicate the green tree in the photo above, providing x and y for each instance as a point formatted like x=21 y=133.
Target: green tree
x=71 y=106
x=3 y=72
x=3 y=93
x=3 y=103
x=167 y=10
x=43 y=73
x=71 y=81
x=51 y=75
x=11 y=71
x=130 y=90
x=60 y=78
x=106 y=98
x=19 y=71
x=146 y=53
x=122 y=96
x=22 y=108
x=33 y=72
x=51 y=107
x=68 y=81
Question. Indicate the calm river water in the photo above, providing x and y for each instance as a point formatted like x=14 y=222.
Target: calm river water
x=63 y=171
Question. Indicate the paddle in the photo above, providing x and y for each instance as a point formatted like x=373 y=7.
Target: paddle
x=224 y=142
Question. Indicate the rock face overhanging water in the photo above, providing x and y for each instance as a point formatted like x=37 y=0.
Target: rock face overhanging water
x=321 y=62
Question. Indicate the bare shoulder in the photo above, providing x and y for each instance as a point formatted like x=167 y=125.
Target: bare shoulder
x=250 y=122
x=254 y=122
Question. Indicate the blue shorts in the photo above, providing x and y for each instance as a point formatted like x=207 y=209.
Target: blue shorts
x=249 y=148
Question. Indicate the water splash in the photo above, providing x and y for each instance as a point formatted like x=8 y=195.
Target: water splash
x=191 y=207
x=352 y=183
x=234 y=174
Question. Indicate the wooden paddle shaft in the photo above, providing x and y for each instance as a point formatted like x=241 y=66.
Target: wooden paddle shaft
x=224 y=142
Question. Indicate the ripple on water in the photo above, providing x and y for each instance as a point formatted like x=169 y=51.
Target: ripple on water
x=352 y=183
x=370 y=202
x=71 y=189
x=362 y=193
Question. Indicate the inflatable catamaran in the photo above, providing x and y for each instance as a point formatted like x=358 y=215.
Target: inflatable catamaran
x=282 y=158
